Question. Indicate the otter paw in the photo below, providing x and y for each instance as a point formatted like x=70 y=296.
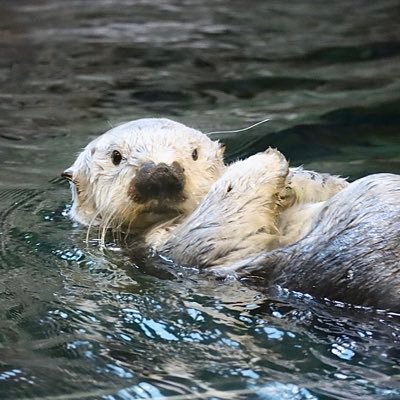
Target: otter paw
x=277 y=163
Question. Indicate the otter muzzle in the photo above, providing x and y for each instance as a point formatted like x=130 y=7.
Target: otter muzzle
x=157 y=182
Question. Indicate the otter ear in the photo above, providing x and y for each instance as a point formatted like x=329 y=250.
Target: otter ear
x=74 y=172
x=67 y=174
x=72 y=175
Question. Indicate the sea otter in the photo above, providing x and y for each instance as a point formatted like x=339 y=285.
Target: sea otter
x=346 y=247
x=156 y=171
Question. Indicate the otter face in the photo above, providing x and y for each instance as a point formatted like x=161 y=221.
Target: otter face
x=142 y=172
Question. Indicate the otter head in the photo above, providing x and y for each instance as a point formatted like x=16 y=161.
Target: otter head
x=142 y=172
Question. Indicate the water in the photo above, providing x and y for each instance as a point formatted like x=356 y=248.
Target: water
x=77 y=322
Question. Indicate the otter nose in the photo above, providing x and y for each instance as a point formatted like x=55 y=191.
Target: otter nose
x=157 y=181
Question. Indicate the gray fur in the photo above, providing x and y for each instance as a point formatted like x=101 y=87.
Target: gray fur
x=351 y=253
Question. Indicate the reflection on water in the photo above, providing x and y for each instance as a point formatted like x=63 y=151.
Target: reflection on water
x=85 y=323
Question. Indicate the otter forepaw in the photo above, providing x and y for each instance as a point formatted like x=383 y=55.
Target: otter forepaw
x=277 y=163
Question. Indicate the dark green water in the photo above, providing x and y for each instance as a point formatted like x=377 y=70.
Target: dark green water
x=77 y=322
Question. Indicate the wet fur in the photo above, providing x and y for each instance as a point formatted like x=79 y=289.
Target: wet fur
x=344 y=247
x=257 y=205
x=102 y=195
x=238 y=217
x=101 y=191
x=350 y=252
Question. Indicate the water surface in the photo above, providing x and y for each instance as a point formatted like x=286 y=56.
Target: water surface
x=79 y=322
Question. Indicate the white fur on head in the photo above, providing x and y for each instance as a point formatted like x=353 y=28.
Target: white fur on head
x=100 y=188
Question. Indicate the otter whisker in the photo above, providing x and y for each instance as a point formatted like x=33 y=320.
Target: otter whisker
x=107 y=224
x=128 y=228
x=240 y=130
x=90 y=226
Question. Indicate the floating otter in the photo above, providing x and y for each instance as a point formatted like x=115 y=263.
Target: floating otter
x=153 y=170
x=156 y=171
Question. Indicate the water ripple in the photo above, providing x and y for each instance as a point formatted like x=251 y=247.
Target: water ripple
x=81 y=322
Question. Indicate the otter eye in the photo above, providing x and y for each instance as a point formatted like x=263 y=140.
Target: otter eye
x=116 y=157
x=195 y=155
